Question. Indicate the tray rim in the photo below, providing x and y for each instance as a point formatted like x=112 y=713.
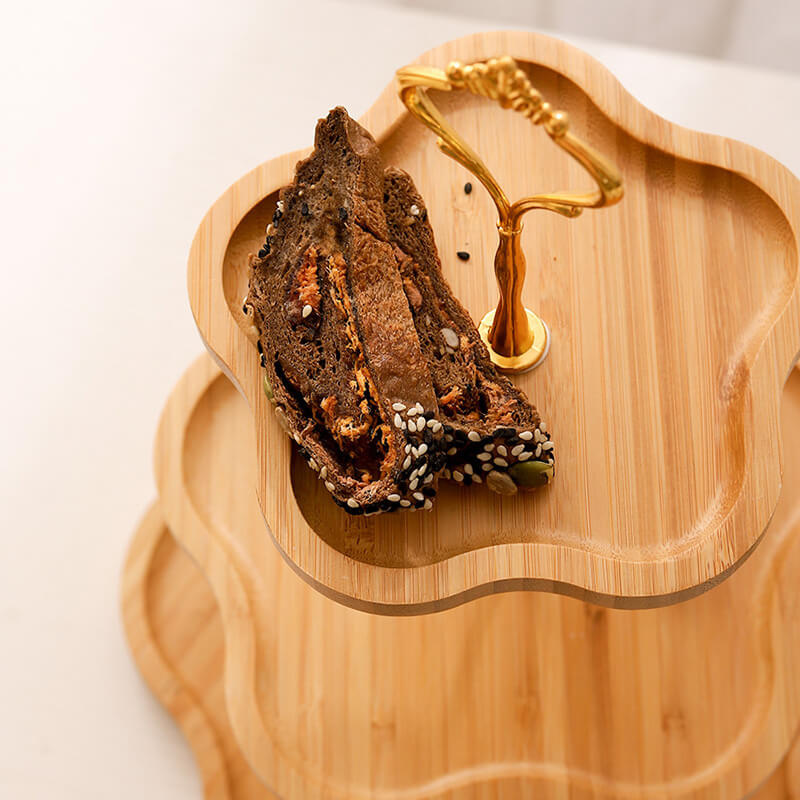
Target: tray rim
x=229 y=580
x=613 y=581
x=164 y=682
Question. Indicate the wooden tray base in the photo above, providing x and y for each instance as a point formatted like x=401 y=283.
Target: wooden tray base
x=521 y=693
x=175 y=633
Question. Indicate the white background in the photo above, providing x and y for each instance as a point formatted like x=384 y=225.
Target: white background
x=760 y=32
x=120 y=125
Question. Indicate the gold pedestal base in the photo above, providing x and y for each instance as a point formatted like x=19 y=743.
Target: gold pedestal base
x=532 y=357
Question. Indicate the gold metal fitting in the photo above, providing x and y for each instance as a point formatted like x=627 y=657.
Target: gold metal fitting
x=517 y=339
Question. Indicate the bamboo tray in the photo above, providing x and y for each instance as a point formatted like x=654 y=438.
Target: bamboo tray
x=175 y=634
x=675 y=318
x=518 y=693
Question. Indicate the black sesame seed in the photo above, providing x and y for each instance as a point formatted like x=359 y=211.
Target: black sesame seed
x=423 y=215
x=276 y=216
x=467 y=187
x=387 y=505
x=244 y=309
x=262 y=253
x=429 y=491
x=370 y=508
x=437 y=461
x=463 y=255
x=343 y=214
x=259 y=347
x=263 y=361
x=304 y=209
x=268 y=245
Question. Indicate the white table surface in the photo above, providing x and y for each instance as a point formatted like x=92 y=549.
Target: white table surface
x=120 y=125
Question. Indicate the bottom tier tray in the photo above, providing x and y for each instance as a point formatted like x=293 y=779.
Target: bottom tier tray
x=175 y=633
x=522 y=694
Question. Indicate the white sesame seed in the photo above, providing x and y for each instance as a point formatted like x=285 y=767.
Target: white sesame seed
x=486 y=467
x=457 y=476
x=547 y=446
x=296 y=437
x=323 y=473
x=428 y=478
x=477 y=479
x=432 y=423
x=484 y=456
x=418 y=496
x=313 y=464
x=280 y=206
x=423 y=468
x=525 y=456
x=542 y=427
x=474 y=436
x=398 y=407
x=452 y=451
x=307 y=310
x=501 y=450
x=408 y=449
x=537 y=436
x=526 y=436
x=352 y=503
x=538 y=451
x=412 y=412
x=501 y=462
x=515 y=451
x=407 y=462
x=468 y=469
x=398 y=422
x=437 y=426
x=419 y=408
x=329 y=486
x=428 y=505
x=450 y=338
x=413 y=485
x=413 y=474
x=405 y=503
x=448 y=437
x=423 y=448
x=488 y=448
x=414 y=210
x=412 y=426
x=414 y=452
x=393 y=498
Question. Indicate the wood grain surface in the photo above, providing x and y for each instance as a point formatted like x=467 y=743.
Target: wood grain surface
x=515 y=694
x=675 y=318
x=175 y=633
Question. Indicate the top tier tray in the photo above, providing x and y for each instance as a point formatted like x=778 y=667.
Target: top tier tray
x=675 y=320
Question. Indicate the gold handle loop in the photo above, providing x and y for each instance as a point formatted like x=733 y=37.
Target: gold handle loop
x=509 y=334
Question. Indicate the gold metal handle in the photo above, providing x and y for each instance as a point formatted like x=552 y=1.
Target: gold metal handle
x=516 y=338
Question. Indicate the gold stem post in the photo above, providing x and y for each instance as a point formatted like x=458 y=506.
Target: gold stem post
x=517 y=339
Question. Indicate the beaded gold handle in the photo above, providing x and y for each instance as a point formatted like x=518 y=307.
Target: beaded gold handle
x=516 y=337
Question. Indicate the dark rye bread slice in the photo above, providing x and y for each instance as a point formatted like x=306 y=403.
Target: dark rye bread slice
x=337 y=340
x=492 y=431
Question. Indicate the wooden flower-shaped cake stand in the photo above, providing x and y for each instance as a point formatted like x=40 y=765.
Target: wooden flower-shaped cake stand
x=674 y=320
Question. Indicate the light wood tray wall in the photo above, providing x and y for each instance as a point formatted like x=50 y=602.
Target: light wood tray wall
x=675 y=319
x=176 y=636
x=522 y=693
